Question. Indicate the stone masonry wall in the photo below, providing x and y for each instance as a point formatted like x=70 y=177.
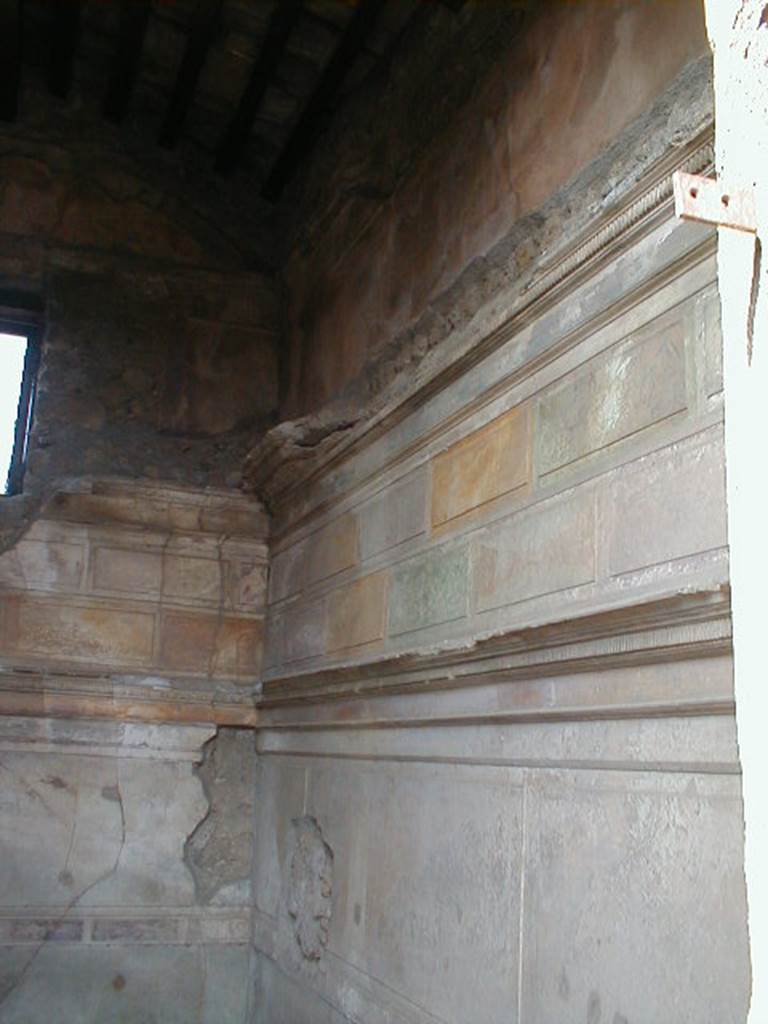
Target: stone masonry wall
x=159 y=354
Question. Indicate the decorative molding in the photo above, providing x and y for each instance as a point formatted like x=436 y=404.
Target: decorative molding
x=146 y=604
x=682 y=626
x=163 y=507
x=569 y=764
x=177 y=742
x=652 y=199
x=61 y=695
x=155 y=926
x=294 y=454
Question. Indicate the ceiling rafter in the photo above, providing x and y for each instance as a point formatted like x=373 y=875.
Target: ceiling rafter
x=281 y=24
x=314 y=116
x=134 y=18
x=65 y=35
x=11 y=15
x=204 y=27
x=283 y=68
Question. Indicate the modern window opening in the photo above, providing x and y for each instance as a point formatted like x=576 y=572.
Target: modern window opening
x=19 y=357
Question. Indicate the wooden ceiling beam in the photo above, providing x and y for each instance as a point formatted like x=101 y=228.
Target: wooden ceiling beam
x=315 y=114
x=134 y=18
x=65 y=36
x=281 y=24
x=10 y=58
x=205 y=26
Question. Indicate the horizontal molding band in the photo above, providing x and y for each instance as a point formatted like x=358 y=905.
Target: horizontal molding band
x=124 y=927
x=167 y=507
x=647 y=206
x=44 y=695
x=542 y=764
x=97 y=737
x=574 y=713
x=98 y=598
x=678 y=626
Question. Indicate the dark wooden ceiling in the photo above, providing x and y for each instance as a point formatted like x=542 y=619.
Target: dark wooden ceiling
x=250 y=83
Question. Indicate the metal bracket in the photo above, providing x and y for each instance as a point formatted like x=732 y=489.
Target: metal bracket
x=705 y=200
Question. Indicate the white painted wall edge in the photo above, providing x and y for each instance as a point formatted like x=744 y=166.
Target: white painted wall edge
x=738 y=31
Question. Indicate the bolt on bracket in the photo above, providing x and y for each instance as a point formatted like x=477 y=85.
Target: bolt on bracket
x=705 y=200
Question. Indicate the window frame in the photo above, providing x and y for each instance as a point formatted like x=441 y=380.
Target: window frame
x=27 y=325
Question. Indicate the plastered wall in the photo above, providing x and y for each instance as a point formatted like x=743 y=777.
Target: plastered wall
x=498 y=674
x=568 y=468
x=496 y=775
x=100 y=915
x=405 y=223
x=130 y=652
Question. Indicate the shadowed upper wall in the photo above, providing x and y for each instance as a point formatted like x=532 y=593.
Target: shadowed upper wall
x=159 y=350
x=395 y=228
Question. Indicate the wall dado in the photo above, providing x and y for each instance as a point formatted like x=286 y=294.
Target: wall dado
x=497 y=698
x=101 y=918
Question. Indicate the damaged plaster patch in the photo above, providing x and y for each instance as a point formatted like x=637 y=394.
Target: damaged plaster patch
x=219 y=852
x=17 y=513
x=309 y=886
x=272 y=464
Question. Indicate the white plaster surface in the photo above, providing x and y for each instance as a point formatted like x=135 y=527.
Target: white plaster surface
x=99 y=917
x=738 y=31
x=529 y=891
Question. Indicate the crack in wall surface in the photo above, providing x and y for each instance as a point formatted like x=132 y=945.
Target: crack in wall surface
x=17 y=982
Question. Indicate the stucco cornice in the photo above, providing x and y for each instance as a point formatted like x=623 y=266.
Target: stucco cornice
x=296 y=454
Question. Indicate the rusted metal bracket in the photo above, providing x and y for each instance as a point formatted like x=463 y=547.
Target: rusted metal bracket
x=705 y=200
